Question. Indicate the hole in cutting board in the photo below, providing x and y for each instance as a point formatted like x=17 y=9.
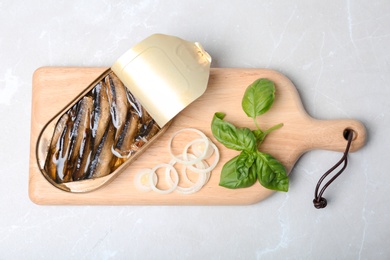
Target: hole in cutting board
x=346 y=132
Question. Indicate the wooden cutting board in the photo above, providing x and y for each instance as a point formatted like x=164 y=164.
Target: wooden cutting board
x=55 y=87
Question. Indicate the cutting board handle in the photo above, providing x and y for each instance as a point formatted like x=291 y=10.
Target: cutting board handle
x=329 y=134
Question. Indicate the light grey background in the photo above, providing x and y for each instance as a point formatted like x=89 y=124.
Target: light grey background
x=337 y=53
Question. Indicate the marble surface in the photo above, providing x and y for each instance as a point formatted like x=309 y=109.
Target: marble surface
x=337 y=53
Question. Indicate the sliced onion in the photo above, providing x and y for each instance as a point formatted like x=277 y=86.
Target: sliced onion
x=208 y=173
x=194 y=162
x=174 y=184
x=198 y=146
x=199 y=158
x=202 y=169
x=202 y=179
x=140 y=176
x=212 y=166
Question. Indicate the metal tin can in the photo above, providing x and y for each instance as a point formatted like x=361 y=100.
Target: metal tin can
x=119 y=115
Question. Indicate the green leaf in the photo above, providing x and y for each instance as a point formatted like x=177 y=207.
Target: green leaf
x=258 y=97
x=244 y=161
x=233 y=138
x=243 y=170
x=229 y=178
x=259 y=135
x=271 y=173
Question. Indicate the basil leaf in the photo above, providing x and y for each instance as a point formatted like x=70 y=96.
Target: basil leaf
x=260 y=135
x=258 y=97
x=233 y=138
x=229 y=178
x=244 y=161
x=271 y=173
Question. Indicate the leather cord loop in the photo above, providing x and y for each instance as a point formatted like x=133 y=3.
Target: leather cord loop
x=319 y=201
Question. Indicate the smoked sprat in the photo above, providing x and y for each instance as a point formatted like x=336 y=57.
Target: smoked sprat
x=99 y=133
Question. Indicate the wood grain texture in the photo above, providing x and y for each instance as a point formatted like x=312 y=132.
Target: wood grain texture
x=54 y=87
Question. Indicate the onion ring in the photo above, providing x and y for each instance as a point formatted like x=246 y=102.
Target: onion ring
x=212 y=166
x=172 y=169
x=194 y=162
x=196 y=151
x=202 y=179
x=138 y=179
x=199 y=158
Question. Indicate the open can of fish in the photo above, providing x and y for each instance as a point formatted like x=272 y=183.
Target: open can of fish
x=119 y=115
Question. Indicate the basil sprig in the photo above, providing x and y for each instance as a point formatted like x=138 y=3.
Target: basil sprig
x=250 y=165
x=233 y=138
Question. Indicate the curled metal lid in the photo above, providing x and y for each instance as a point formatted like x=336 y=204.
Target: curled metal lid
x=165 y=73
